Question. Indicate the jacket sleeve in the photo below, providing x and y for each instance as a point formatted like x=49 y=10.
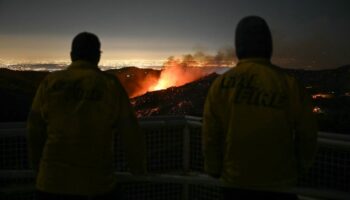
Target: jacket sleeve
x=133 y=139
x=306 y=132
x=212 y=136
x=36 y=128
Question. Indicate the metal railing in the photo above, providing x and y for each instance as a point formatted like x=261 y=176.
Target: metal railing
x=175 y=155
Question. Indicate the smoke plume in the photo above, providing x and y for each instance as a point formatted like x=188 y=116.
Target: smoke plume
x=175 y=71
x=190 y=67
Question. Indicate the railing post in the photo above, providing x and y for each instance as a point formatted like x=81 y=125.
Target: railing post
x=186 y=150
x=186 y=160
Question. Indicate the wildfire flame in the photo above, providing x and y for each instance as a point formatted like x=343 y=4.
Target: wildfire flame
x=177 y=72
x=161 y=85
x=173 y=74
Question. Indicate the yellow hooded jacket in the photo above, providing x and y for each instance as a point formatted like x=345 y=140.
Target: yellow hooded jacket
x=259 y=129
x=74 y=118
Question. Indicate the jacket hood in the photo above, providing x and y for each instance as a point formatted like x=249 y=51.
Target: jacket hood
x=253 y=38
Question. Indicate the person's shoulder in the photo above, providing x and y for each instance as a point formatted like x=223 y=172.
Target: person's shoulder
x=218 y=79
x=285 y=72
x=111 y=78
x=230 y=73
x=281 y=71
x=291 y=78
x=218 y=82
x=52 y=76
x=56 y=74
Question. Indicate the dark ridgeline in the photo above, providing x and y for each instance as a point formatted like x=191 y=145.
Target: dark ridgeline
x=17 y=89
x=184 y=100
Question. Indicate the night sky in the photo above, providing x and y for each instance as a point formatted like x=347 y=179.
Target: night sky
x=310 y=34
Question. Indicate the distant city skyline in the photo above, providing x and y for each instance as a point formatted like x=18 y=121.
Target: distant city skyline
x=307 y=34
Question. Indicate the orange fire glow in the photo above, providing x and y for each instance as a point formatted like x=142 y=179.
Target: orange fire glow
x=162 y=84
x=180 y=71
x=322 y=96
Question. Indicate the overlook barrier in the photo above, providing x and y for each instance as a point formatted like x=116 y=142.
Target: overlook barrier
x=175 y=164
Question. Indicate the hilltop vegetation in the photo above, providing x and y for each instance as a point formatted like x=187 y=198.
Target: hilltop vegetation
x=17 y=89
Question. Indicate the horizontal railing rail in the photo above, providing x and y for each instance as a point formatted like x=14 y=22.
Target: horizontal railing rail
x=201 y=179
x=180 y=161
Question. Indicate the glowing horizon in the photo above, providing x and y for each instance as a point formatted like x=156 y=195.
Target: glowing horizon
x=61 y=64
x=303 y=34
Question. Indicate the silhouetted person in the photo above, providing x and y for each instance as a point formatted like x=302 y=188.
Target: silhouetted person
x=259 y=130
x=75 y=115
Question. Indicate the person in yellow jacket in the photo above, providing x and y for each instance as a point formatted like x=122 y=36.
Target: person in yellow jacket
x=75 y=115
x=259 y=131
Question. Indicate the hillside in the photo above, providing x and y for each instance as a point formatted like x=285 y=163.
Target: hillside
x=331 y=90
x=185 y=100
